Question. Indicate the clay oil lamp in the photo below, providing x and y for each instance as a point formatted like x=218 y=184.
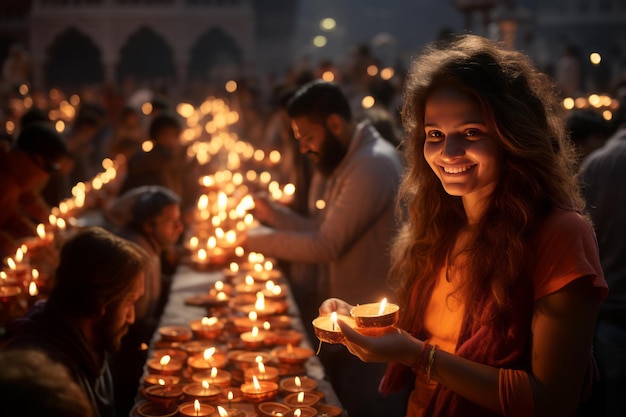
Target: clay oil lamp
x=298 y=384
x=381 y=314
x=163 y=393
x=302 y=399
x=259 y=391
x=230 y=412
x=195 y=409
x=157 y=410
x=254 y=339
x=301 y=412
x=327 y=330
x=202 y=391
x=177 y=334
x=293 y=355
x=215 y=376
x=206 y=328
x=165 y=365
x=273 y=409
x=210 y=358
x=262 y=373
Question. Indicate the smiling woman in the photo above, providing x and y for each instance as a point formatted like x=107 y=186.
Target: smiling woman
x=495 y=260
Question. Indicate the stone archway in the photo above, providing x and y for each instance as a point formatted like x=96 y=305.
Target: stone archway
x=73 y=60
x=146 y=57
x=214 y=54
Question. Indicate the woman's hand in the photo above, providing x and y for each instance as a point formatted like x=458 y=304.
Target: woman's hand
x=335 y=305
x=387 y=344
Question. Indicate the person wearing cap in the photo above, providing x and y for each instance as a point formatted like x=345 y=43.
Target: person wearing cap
x=24 y=171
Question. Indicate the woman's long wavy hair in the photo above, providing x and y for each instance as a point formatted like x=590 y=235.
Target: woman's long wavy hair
x=521 y=109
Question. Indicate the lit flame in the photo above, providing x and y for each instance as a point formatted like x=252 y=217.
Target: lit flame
x=261 y=368
x=161 y=382
x=268 y=265
x=255 y=331
x=206 y=321
x=253 y=316
x=3 y=276
x=297 y=412
x=41 y=230
x=301 y=397
x=383 y=304
x=208 y=353
x=249 y=280
x=297 y=381
x=266 y=325
x=34 y=273
x=11 y=264
x=230 y=396
x=276 y=290
x=32 y=289
x=221 y=295
x=205 y=384
x=219 y=285
x=234 y=267
x=165 y=360
x=269 y=285
x=259 y=305
x=256 y=384
x=222 y=411
x=333 y=319
x=213 y=372
x=202 y=255
x=19 y=255
x=196 y=406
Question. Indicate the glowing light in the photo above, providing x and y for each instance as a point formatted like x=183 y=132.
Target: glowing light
x=23 y=89
x=59 y=126
x=10 y=127
x=381 y=309
x=320 y=204
x=231 y=86
x=368 y=102
x=222 y=412
x=568 y=103
x=372 y=70
x=387 y=73
x=185 y=109
x=328 y=76
x=595 y=58
x=146 y=108
x=328 y=23
x=196 y=406
x=147 y=146
x=607 y=115
x=319 y=41
x=32 y=289
x=208 y=354
x=165 y=359
x=256 y=384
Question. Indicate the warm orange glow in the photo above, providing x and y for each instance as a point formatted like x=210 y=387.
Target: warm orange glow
x=252 y=316
x=41 y=230
x=208 y=354
x=161 y=382
x=219 y=285
x=196 y=406
x=290 y=351
x=301 y=397
x=165 y=360
x=256 y=384
x=32 y=289
x=261 y=368
x=213 y=372
x=259 y=305
x=249 y=280
x=297 y=380
x=255 y=331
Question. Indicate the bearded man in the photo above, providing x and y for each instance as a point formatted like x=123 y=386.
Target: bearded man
x=350 y=225
x=91 y=306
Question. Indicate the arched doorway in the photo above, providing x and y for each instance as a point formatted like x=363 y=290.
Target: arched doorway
x=73 y=61
x=146 y=57
x=214 y=55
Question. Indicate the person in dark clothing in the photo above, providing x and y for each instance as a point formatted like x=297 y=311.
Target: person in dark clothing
x=91 y=306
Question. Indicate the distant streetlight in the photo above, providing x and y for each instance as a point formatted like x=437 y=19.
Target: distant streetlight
x=328 y=23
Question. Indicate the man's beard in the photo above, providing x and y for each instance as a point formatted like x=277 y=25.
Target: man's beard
x=109 y=334
x=330 y=155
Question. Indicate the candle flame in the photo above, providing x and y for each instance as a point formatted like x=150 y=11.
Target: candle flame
x=208 y=353
x=3 y=275
x=202 y=255
x=249 y=280
x=41 y=230
x=11 y=264
x=219 y=285
x=277 y=290
x=261 y=368
x=203 y=202
x=260 y=302
x=230 y=396
x=196 y=406
x=269 y=285
x=213 y=372
x=205 y=384
x=298 y=382
x=161 y=382
x=193 y=242
x=256 y=384
x=289 y=348
x=255 y=331
x=297 y=412
x=165 y=360
x=383 y=304
x=206 y=321
x=32 y=289
x=222 y=411
x=221 y=295
x=234 y=267
x=61 y=223
x=35 y=273
x=253 y=316
x=267 y=325
x=24 y=248
x=333 y=319
x=19 y=255
x=301 y=397
x=268 y=265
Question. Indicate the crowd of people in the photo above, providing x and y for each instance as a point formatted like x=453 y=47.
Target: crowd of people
x=493 y=220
